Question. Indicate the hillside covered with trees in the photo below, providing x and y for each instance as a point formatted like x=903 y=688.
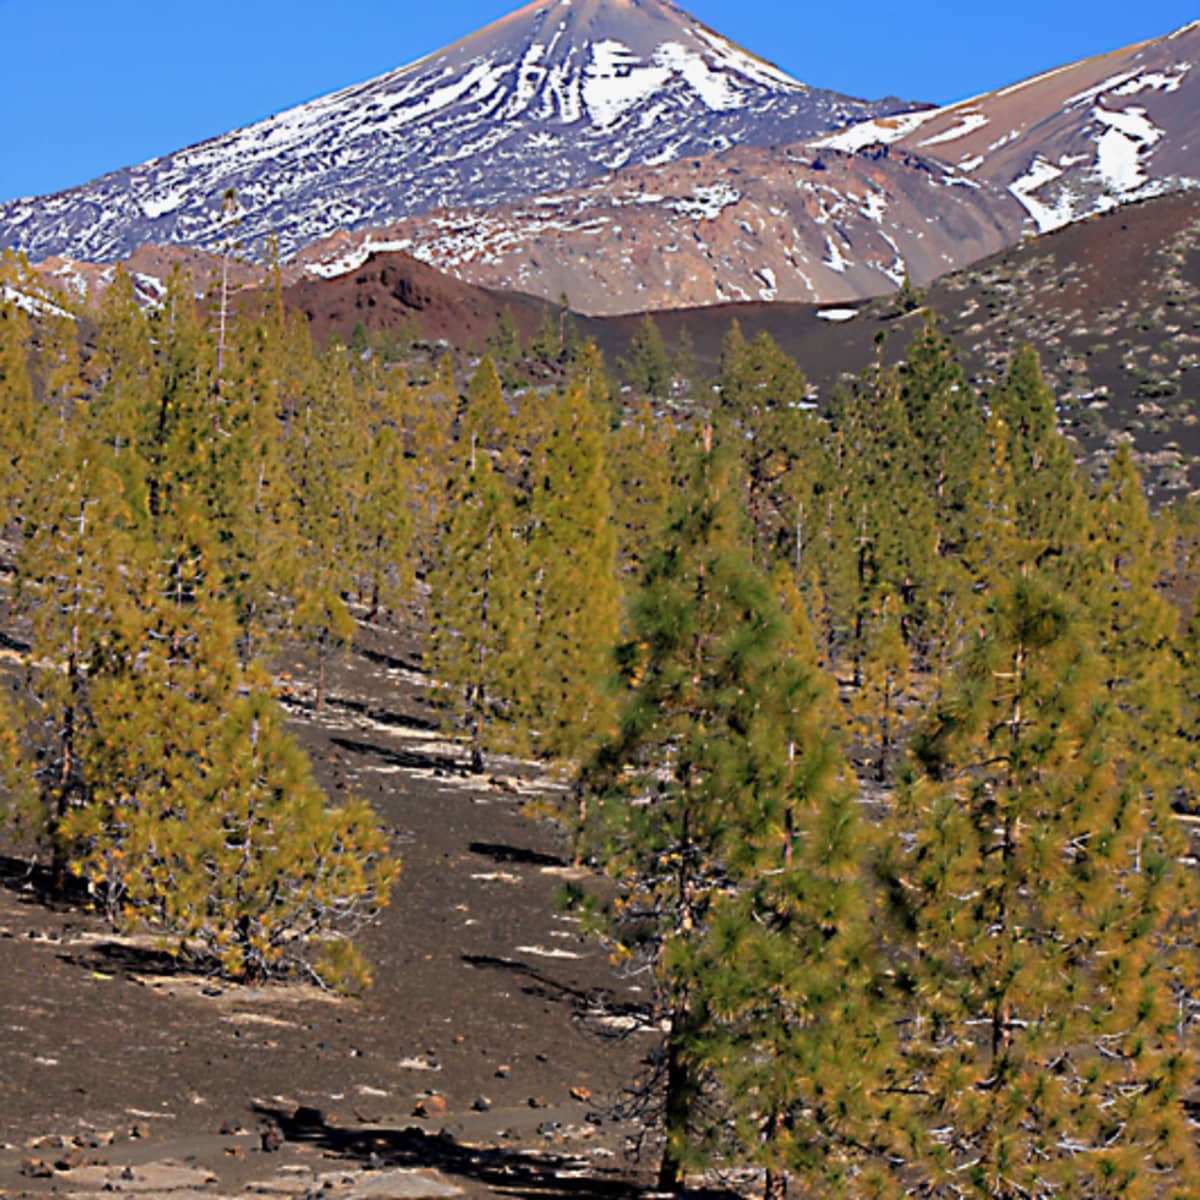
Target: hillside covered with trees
x=880 y=720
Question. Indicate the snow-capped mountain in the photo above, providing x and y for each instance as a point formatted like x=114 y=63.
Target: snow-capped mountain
x=544 y=99
x=1074 y=141
x=844 y=216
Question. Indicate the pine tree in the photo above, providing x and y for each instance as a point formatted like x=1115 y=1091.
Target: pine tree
x=588 y=371
x=1137 y=628
x=324 y=454
x=202 y=818
x=647 y=369
x=796 y=1036
x=19 y=411
x=383 y=521
x=255 y=506
x=878 y=701
x=642 y=470
x=72 y=589
x=1050 y=512
x=505 y=342
x=478 y=621
x=761 y=393
x=698 y=787
x=1043 y=1052
x=572 y=557
x=893 y=539
x=486 y=423
x=942 y=408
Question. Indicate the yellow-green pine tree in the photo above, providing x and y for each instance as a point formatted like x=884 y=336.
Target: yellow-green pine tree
x=1043 y=1052
x=572 y=556
x=478 y=654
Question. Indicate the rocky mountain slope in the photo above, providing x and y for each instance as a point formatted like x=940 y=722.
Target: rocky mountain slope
x=749 y=224
x=546 y=98
x=843 y=217
x=1112 y=305
x=1074 y=141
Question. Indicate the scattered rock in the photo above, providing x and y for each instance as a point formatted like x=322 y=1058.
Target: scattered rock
x=536 y=1102
x=503 y=1071
x=482 y=1104
x=581 y=1093
x=37 y=1168
x=270 y=1138
x=231 y=1127
x=72 y=1159
x=400 y=1185
x=430 y=1106
x=154 y=1177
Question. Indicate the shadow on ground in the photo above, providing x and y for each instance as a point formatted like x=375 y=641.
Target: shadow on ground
x=410 y=759
x=515 y=1172
x=499 y=852
x=589 y=1003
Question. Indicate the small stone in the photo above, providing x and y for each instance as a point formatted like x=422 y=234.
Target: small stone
x=69 y=1161
x=482 y=1104
x=231 y=1127
x=503 y=1071
x=270 y=1138
x=581 y=1093
x=430 y=1106
x=536 y=1102
x=37 y=1168
x=139 y=1130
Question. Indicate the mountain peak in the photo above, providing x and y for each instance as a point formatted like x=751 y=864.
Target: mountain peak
x=548 y=97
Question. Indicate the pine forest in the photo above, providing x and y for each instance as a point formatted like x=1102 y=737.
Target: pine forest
x=873 y=721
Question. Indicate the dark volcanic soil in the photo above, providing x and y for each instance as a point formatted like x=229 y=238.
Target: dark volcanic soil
x=484 y=994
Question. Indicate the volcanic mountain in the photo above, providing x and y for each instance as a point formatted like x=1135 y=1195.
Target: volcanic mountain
x=842 y=217
x=544 y=99
x=1074 y=141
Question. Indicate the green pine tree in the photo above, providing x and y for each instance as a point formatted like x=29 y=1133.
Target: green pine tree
x=715 y=770
x=647 y=368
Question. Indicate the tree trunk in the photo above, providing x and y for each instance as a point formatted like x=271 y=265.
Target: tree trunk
x=775 y=1187
x=676 y=1107
x=320 y=705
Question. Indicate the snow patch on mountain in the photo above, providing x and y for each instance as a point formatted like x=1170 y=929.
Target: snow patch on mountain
x=706 y=203
x=970 y=122
x=1046 y=216
x=878 y=130
x=1119 y=148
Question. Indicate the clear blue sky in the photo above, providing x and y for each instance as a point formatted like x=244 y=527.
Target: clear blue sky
x=90 y=87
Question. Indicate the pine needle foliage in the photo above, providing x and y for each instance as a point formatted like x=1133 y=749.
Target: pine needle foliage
x=478 y=621
x=161 y=774
x=719 y=771
x=1043 y=1053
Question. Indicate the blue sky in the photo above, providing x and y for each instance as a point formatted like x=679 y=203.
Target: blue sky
x=90 y=87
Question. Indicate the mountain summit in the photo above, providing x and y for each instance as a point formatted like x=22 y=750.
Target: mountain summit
x=546 y=98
